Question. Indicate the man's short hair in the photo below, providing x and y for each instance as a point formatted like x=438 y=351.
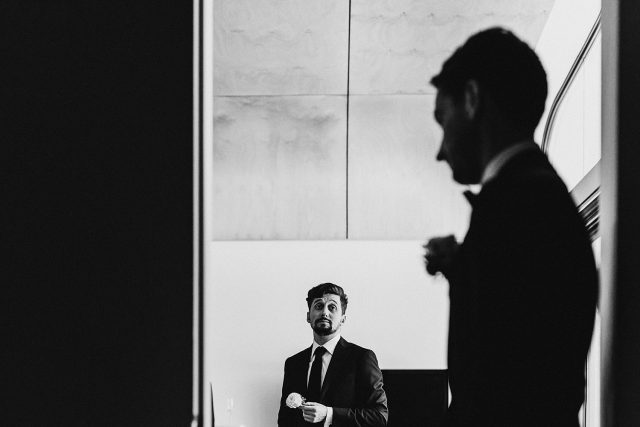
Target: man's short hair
x=327 y=288
x=504 y=66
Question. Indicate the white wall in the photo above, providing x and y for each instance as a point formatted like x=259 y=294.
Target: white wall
x=574 y=146
x=256 y=313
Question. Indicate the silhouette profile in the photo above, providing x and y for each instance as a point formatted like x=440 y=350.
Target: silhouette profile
x=523 y=282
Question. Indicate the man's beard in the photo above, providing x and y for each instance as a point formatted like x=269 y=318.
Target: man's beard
x=322 y=330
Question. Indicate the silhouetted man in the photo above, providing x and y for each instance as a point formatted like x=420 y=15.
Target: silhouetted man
x=341 y=382
x=523 y=283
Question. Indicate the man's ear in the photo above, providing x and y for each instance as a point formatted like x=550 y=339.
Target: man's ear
x=344 y=317
x=471 y=98
x=308 y=319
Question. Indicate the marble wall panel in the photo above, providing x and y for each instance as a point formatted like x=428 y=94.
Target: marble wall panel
x=397 y=189
x=280 y=47
x=397 y=45
x=279 y=168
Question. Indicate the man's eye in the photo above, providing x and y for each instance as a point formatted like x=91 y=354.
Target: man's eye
x=332 y=307
x=318 y=306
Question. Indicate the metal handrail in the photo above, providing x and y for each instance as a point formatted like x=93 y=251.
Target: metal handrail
x=564 y=88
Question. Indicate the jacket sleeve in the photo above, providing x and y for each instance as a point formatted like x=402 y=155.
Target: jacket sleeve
x=287 y=417
x=374 y=411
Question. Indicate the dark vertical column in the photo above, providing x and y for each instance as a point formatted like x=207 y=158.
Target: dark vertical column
x=97 y=219
x=347 y=133
x=620 y=220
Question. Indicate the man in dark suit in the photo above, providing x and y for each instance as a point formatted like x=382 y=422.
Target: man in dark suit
x=523 y=283
x=341 y=382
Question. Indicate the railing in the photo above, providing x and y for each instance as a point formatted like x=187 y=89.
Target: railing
x=587 y=192
x=564 y=88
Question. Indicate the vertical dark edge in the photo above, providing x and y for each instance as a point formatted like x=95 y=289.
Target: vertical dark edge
x=347 y=139
x=445 y=375
x=201 y=215
x=213 y=418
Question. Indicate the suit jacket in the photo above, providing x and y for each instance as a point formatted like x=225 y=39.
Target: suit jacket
x=523 y=293
x=352 y=387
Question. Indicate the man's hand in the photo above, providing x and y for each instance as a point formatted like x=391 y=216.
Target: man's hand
x=439 y=254
x=314 y=412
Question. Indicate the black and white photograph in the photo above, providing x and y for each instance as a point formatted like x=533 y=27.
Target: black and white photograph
x=347 y=213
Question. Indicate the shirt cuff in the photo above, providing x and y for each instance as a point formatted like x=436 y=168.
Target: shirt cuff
x=329 y=419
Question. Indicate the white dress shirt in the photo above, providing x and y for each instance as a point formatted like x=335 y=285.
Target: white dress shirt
x=330 y=346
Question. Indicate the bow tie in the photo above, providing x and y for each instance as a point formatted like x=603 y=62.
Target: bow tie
x=471 y=197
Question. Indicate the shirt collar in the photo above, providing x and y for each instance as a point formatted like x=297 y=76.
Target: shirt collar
x=502 y=158
x=330 y=345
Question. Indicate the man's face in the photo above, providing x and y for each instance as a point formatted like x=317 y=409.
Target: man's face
x=460 y=146
x=325 y=315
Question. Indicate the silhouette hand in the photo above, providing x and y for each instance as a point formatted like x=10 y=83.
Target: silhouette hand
x=439 y=254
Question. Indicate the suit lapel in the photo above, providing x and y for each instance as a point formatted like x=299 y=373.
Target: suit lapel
x=338 y=359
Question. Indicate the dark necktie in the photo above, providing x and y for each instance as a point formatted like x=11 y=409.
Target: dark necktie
x=315 y=377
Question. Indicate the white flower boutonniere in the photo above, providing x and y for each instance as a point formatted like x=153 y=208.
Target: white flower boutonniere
x=295 y=400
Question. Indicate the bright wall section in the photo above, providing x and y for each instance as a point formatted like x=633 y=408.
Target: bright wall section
x=256 y=314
